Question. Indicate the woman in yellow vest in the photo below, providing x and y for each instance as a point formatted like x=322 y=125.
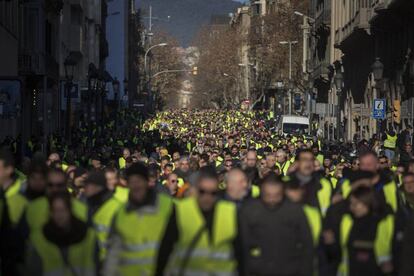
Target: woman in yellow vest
x=365 y=236
x=65 y=245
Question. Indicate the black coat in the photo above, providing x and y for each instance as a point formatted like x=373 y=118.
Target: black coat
x=276 y=241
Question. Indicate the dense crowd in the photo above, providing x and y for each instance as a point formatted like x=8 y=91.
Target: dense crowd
x=209 y=192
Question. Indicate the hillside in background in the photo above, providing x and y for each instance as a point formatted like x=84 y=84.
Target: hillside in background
x=187 y=16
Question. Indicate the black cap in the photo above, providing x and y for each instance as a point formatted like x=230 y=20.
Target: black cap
x=96 y=178
x=137 y=169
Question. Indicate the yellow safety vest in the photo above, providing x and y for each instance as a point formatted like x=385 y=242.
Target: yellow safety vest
x=17 y=205
x=210 y=255
x=382 y=243
x=315 y=222
x=80 y=258
x=121 y=163
x=141 y=234
x=391 y=141
x=121 y=194
x=14 y=188
x=37 y=212
x=283 y=168
x=324 y=195
x=102 y=220
x=389 y=190
x=255 y=191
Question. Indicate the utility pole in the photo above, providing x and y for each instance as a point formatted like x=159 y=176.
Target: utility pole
x=290 y=43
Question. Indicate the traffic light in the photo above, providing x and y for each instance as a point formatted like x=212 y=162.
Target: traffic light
x=195 y=71
x=397 y=112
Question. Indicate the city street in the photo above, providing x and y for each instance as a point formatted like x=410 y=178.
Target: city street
x=206 y=138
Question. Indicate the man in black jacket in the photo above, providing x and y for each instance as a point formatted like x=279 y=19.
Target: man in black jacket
x=276 y=236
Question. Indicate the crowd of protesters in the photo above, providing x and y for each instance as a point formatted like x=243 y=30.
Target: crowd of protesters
x=209 y=192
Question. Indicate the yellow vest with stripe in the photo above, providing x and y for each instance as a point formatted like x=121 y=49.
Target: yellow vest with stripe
x=17 y=205
x=324 y=195
x=391 y=141
x=141 y=234
x=210 y=255
x=80 y=256
x=102 y=221
x=382 y=243
x=37 y=212
x=315 y=222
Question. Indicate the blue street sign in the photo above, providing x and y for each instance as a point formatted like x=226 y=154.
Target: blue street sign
x=379 y=110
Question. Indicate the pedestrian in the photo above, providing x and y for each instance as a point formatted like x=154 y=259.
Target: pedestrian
x=138 y=227
x=210 y=244
x=277 y=239
x=102 y=207
x=63 y=232
x=237 y=187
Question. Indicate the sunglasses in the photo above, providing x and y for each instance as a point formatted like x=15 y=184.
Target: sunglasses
x=173 y=181
x=205 y=192
x=56 y=185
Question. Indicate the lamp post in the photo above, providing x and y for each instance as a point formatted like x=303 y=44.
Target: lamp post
x=92 y=82
x=290 y=43
x=148 y=51
x=339 y=82
x=69 y=65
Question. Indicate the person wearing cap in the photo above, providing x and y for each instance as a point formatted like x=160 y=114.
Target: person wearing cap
x=102 y=206
x=138 y=227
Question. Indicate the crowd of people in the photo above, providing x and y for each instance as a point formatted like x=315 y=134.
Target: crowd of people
x=209 y=192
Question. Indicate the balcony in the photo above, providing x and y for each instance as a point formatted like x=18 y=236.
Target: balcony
x=31 y=63
x=76 y=3
x=76 y=39
x=360 y=21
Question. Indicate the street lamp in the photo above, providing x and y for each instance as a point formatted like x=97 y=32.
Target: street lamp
x=339 y=82
x=290 y=43
x=92 y=83
x=377 y=69
x=69 y=65
x=149 y=50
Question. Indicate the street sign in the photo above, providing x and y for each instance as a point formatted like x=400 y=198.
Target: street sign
x=379 y=110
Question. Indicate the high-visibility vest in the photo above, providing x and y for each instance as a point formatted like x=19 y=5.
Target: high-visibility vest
x=102 y=221
x=141 y=233
x=14 y=188
x=382 y=242
x=320 y=158
x=283 y=168
x=17 y=205
x=80 y=256
x=121 y=194
x=37 y=212
x=210 y=255
x=390 y=191
x=255 y=191
x=391 y=141
x=315 y=222
x=324 y=196
x=121 y=163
